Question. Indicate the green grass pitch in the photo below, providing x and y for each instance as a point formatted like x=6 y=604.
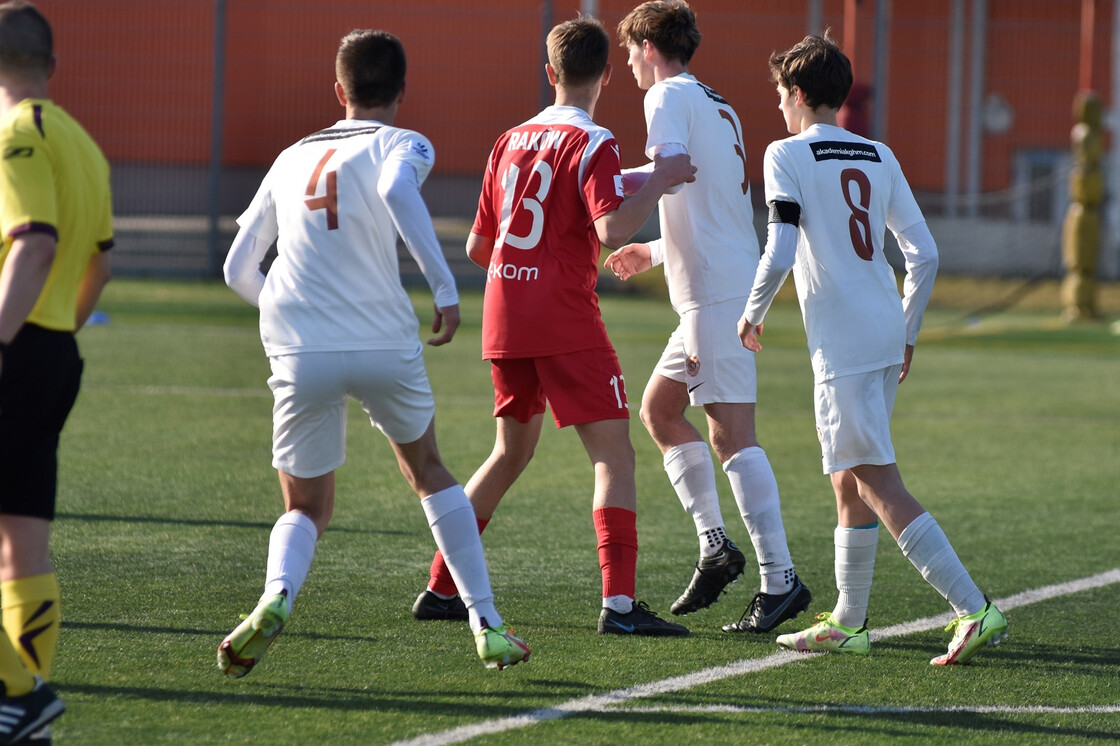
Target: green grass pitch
x=1008 y=431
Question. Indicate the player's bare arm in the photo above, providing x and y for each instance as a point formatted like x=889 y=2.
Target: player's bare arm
x=632 y=259
x=616 y=227
x=22 y=279
x=97 y=275
x=749 y=334
x=480 y=249
x=909 y=355
x=446 y=318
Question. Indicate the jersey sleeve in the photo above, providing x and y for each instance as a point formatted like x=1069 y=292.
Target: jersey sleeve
x=903 y=211
x=399 y=187
x=259 y=218
x=28 y=188
x=667 y=120
x=486 y=218
x=602 y=184
x=778 y=179
x=415 y=150
x=105 y=229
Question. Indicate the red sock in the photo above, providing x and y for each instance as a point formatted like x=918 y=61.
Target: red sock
x=617 y=532
x=439 y=577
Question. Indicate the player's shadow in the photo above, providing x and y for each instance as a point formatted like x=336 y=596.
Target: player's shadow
x=139 y=629
x=476 y=705
x=209 y=522
x=1104 y=660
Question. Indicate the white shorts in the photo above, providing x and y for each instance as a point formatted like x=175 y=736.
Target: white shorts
x=704 y=352
x=310 y=392
x=854 y=419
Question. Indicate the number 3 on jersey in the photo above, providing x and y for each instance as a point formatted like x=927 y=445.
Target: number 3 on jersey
x=534 y=206
x=329 y=201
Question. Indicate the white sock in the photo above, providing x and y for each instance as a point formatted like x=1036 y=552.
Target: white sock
x=756 y=494
x=291 y=547
x=928 y=549
x=455 y=530
x=855 y=566
x=621 y=604
x=690 y=470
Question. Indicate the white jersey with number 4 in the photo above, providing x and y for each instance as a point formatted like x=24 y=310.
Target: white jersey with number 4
x=711 y=249
x=335 y=285
x=849 y=189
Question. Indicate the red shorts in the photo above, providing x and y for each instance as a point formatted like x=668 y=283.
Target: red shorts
x=581 y=387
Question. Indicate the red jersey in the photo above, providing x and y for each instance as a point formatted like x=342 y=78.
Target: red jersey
x=546 y=182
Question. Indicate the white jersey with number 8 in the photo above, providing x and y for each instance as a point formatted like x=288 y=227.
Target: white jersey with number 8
x=850 y=189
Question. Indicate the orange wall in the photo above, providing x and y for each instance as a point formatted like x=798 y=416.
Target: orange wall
x=138 y=73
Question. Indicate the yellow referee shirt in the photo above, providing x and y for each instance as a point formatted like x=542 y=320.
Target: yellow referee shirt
x=54 y=179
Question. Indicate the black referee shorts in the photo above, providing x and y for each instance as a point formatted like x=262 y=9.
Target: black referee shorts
x=39 y=381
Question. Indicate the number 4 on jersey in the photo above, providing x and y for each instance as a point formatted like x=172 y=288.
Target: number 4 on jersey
x=329 y=201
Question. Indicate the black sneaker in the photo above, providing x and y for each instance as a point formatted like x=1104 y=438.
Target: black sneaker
x=642 y=620
x=711 y=576
x=430 y=606
x=20 y=716
x=766 y=611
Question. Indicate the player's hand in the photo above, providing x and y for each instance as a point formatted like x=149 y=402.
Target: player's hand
x=631 y=259
x=447 y=318
x=749 y=334
x=906 y=363
x=674 y=169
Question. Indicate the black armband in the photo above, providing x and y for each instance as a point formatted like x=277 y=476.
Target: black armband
x=784 y=212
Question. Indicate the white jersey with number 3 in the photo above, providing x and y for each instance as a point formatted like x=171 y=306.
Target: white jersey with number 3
x=711 y=249
x=850 y=189
x=335 y=285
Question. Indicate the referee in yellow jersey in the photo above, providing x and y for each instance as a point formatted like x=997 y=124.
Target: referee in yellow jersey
x=56 y=227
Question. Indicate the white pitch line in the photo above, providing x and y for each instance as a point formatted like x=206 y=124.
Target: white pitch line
x=870 y=710
x=600 y=702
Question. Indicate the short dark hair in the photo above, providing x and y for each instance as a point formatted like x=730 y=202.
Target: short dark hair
x=816 y=66
x=669 y=25
x=578 y=50
x=26 y=41
x=370 y=65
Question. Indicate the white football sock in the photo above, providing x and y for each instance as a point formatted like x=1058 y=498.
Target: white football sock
x=928 y=549
x=291 y=547
x=693 y=476
x=455 y=529
x=855 y=566
x=756 y=493
x=621 y=604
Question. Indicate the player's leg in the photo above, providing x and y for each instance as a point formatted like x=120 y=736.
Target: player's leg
x=727 y=387
x=308 y=444
x=31 y=604
x=455 y=530
x=514 y=445
x=844 y=630
x=686 y=458
x=519 y=406
x=923 y=542
x=587 y=391
x=42 y=376
x=856 y=539
x=782 y=595
x=688 y=464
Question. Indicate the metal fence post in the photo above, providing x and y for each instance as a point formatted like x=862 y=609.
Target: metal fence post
x=217 y=116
